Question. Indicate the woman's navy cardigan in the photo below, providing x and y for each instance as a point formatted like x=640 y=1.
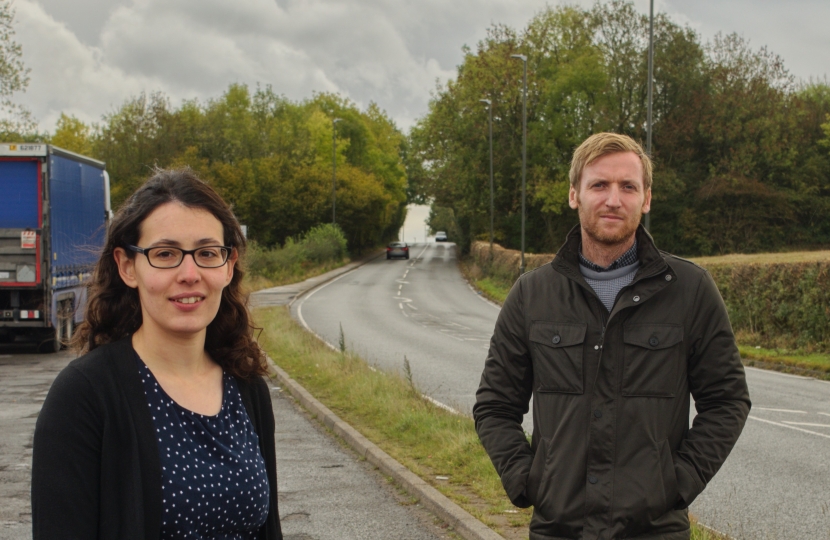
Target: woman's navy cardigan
x=95 y=464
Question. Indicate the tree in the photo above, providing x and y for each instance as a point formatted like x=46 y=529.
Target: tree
x=73 y=135
x=270 y=158
x=15 y=121
x=736 y=145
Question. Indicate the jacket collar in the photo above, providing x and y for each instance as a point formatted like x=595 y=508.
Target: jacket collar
x=652 y=263
x=567 y=258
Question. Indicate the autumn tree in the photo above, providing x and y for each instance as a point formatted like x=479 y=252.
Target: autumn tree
x=16 y=121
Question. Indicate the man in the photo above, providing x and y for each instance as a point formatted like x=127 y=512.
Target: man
x=610 y=339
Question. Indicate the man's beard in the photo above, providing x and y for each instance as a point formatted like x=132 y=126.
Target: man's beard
x=609 y=238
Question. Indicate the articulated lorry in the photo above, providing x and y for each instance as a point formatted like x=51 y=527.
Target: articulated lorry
x=54 y=210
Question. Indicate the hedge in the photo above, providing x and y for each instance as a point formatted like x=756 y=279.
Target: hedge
x=776 y=306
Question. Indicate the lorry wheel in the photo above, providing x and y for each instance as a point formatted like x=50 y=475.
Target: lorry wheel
x=50 y=343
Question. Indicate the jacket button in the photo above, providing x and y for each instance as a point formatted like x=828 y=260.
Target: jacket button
x=668 y=277
x=556 y=339
x=636 y=298
x=592 y=479
x=596 y=347
x=653 y=341
x=597 y=413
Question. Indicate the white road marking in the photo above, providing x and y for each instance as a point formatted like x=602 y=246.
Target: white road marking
x=824 y=414
x=778 y=373
x=440 y=405
x=399 y=292
x=309 y=295
x=754 y=408
x=805 y=424
x=482 y=298
x=400 y=305
x=412 y=307
x=790 y=427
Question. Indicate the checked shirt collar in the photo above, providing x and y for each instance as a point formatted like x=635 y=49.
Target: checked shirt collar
x=626 y=259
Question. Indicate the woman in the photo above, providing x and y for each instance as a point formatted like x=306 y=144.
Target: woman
x=164 y=427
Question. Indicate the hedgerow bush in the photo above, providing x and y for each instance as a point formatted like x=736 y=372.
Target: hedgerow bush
x=775 y=305
x=321 y=245
x=783 y=306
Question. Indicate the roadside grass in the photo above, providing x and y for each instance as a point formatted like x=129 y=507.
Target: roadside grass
x=388 y=410
x=789 y=361
x=815 y=365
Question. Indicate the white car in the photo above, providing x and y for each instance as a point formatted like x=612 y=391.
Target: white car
x=440 y=236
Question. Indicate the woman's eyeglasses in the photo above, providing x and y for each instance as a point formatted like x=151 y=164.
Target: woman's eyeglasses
x=171 y=257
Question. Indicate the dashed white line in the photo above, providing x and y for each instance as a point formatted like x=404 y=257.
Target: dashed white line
x=790 y=427
x=805 y=424
x=824 y=414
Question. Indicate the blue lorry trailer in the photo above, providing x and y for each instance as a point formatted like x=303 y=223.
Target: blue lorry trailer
x=54 y=210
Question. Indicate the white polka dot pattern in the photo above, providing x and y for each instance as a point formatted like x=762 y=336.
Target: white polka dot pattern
x=214 y=483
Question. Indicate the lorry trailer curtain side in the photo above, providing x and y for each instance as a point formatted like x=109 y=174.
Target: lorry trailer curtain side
x=54 y=210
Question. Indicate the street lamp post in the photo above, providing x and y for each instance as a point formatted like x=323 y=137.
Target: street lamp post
x=334 y=170
x=650 y=91
x=523 y=58
x=490 y=110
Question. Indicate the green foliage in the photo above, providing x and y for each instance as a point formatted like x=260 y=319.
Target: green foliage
x=782 y=306
x=16 y=122
x=443 y=219
x=269 y=157
x=73 y=135
x=320 y=246
x=742 y=153
x=324 y=243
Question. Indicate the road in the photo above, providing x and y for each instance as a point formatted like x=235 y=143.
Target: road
x=326 y=492
x=776 y=483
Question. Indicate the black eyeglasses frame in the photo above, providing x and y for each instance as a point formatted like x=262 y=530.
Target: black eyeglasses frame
x=191 y=252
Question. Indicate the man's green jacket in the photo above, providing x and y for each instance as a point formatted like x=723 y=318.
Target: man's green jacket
x=612 y=453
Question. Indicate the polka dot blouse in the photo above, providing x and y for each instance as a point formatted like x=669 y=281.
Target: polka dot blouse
x=214 y=483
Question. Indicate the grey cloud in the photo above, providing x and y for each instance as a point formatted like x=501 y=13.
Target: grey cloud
x=387 y=51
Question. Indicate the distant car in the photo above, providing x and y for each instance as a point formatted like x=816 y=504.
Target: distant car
x=397 y=249
x=440 y=236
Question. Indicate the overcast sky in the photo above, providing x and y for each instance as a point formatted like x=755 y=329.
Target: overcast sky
x=88 y=56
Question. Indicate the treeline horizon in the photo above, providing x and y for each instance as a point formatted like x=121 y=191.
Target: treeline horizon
x=269 y=157
x=741 y=151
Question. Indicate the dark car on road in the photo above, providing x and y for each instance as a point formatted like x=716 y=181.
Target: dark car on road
x=397 y=249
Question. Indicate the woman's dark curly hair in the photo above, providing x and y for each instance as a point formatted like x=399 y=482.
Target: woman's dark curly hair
x=113 y=310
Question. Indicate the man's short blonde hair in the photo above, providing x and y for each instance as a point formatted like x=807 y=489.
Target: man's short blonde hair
x=602 y=144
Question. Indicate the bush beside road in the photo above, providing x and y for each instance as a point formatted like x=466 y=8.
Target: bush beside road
x=777 y=302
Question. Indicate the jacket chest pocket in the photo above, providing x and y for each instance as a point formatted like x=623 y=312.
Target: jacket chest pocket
x=556 y=349
x=652 y=358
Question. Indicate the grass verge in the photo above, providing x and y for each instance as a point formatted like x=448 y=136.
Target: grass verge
x=440 y=447
x=796 y=362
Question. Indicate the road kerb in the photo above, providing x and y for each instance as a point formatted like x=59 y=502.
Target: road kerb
x=459 y=519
